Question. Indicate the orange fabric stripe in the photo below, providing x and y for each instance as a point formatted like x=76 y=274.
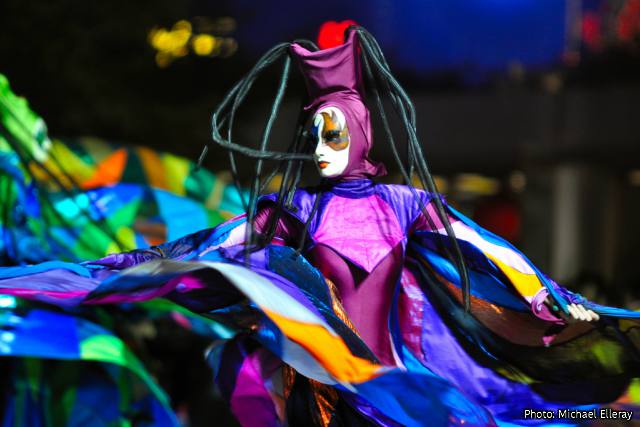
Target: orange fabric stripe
x=329 y=350
x=109 y=171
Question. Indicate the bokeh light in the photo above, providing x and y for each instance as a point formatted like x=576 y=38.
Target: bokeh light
x=185 y=37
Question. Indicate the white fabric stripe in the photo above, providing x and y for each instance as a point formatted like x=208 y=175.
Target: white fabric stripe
x=266 y=295
x=506 y=255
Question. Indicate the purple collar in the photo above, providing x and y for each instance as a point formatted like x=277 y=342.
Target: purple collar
x=353 y=188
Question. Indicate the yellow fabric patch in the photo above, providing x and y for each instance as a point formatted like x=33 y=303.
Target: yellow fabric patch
x=61 y=155
x=153 y=168
x=176 y=169
x=126 y=236
x=526 y=284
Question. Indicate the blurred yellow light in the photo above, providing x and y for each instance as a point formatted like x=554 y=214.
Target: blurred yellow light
x=176 y=42
x=203 y=44
x=477 y=184
x=160 y=39
x=180 y=38
x=180 y=51
x=181 y=33
x=442 y=185
x=182 y=25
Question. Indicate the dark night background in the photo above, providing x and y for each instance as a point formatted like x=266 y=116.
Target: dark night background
x=529 y=110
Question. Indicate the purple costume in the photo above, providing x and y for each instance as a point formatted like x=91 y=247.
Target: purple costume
x=414 y=350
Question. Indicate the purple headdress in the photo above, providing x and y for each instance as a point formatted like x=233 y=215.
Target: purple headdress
x=334 y=78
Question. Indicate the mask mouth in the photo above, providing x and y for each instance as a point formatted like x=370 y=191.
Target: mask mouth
x=323 y=164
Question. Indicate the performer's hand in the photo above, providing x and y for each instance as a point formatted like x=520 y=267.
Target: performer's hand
x=580 y=313
x=577 y=312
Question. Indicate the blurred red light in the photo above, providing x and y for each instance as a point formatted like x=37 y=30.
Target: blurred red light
x=331 y=33
x=501 y=216
x=592 y=30
x=629 y=21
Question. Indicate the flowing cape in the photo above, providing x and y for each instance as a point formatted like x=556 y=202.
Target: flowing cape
x=453 y=368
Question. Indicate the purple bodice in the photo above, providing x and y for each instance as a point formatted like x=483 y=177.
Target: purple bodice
x=358 y=218
x=357 y=240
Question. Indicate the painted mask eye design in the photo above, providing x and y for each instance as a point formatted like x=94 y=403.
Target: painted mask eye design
x=332 y=135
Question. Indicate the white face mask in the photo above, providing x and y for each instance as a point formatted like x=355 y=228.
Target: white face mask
x=329 y=126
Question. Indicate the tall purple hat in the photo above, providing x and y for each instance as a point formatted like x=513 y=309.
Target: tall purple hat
x=334 y=78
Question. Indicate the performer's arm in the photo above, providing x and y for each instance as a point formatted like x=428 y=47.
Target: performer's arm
x=527 y=280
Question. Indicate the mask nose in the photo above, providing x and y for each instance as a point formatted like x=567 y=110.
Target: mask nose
x=320 y=151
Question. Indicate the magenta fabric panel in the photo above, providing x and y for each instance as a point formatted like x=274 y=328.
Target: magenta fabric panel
x=251 y=401
x=363 y=230
x=366 y=297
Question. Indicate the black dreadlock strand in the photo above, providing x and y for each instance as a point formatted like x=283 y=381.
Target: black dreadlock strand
x=255 y=188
